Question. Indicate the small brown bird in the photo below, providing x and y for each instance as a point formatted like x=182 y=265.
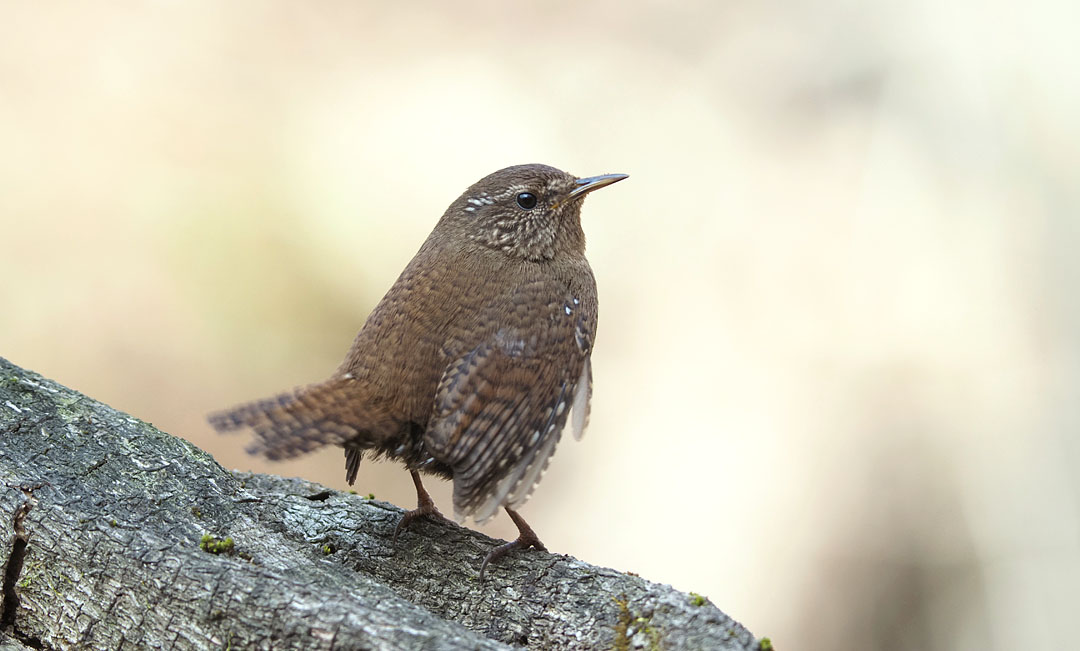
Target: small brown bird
x=473 y=362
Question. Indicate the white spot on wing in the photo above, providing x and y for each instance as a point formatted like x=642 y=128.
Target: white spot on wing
x=510 y=345
x=514 y=489
x=531 y=473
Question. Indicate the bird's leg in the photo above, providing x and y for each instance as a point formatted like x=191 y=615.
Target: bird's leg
x=526 y=539
x=424 y=506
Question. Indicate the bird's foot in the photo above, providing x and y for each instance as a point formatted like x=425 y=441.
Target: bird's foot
x=425 y=507
x=423 y=510
x=526 y=538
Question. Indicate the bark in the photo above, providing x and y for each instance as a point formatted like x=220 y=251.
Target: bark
x=102 y=515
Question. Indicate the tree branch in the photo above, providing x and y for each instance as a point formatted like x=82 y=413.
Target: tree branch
x=114 y=514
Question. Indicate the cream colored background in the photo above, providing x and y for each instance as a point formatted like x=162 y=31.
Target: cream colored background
x=837 y=369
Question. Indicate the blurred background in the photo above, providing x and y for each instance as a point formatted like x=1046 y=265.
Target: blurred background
x=838 y=362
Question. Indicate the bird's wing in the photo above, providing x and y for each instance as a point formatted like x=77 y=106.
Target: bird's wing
x=500 y=408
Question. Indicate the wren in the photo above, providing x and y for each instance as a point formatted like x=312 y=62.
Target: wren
x=472 y=364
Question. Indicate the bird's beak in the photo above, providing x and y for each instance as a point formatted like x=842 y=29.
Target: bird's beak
x=587 y=185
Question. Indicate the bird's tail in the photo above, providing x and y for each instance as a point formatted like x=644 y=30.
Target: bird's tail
x=334 y=412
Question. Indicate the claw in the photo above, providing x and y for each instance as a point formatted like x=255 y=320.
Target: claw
x=425 y=506
x=526 y=538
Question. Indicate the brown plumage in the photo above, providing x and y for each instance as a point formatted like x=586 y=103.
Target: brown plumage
x=474 y=361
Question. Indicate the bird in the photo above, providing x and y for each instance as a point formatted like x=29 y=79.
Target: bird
x=474 y=361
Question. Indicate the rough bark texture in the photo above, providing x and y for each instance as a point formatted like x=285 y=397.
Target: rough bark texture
x=11 y=644
x=102 y=517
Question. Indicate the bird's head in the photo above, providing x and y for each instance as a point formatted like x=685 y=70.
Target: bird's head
x=526 y=211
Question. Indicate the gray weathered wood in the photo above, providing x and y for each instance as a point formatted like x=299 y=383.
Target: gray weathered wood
x=11 y=644
x=112 y=556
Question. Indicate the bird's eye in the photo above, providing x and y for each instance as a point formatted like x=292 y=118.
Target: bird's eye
x=527 y=200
